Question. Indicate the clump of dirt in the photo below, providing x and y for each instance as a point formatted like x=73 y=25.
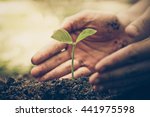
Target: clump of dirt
x=27 y=88
x=114 y=25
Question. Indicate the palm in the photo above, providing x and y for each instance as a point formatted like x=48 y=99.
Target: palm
x=88 y=52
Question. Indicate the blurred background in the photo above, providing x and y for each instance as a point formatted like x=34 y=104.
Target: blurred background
x=26 y=26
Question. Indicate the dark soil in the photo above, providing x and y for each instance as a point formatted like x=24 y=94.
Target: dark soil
x=25 y=87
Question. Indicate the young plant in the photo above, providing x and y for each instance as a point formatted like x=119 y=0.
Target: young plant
x=64 y=37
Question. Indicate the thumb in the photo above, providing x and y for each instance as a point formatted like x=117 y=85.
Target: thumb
x=140 y=28
x=75 y=22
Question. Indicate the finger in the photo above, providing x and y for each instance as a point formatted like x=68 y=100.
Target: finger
x=68 y=76
x=140 y=28
x=47 y=52
x=129 y=54
x=131 y=81
x=94 y=77
x=80 y=72
x=123 y=85
x=128 y=71
x=50 y=64
x=60 y=71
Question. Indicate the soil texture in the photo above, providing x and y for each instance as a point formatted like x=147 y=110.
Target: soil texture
x=26 y=88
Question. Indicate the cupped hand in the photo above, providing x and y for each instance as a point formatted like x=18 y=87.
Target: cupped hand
x=125 y=69
x=55 y=61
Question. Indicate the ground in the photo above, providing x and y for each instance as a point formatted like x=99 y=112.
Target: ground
x=26 y=88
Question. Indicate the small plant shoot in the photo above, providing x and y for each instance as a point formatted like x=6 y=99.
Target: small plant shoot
x=63 y=36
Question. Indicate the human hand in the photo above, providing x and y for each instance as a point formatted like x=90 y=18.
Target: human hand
x=52 y=62
x=121 y=69
x=125 y=69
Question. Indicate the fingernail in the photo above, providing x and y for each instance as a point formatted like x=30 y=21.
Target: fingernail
x=132 y=31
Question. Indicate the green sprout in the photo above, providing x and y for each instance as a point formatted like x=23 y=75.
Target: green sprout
x=64 y=37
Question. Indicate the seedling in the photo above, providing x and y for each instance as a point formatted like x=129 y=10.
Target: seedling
x=64 y=37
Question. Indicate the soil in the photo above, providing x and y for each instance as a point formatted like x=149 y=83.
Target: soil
x=26 y=88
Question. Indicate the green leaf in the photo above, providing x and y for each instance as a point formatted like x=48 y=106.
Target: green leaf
x=85 y=33
x=62 y=35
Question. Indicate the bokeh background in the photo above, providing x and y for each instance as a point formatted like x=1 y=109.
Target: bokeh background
x=26 y=26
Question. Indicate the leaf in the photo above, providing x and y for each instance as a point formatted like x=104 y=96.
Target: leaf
x=62 y=35
x=85 y=33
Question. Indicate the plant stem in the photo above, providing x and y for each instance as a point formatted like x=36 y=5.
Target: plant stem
x=73 y=50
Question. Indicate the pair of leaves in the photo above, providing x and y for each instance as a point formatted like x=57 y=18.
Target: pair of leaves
x=63 y=36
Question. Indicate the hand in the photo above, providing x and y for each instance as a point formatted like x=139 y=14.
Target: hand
x=52 y=62
x=125 y=69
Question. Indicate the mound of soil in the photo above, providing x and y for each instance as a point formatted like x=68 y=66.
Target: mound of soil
x=25 y=88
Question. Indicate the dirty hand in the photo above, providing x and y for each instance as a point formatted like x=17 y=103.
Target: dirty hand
x=52 y=62
x=130 y=65
x=125 y=69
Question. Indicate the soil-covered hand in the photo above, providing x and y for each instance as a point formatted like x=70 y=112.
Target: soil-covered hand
x=55 y=61
x=127 y=68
